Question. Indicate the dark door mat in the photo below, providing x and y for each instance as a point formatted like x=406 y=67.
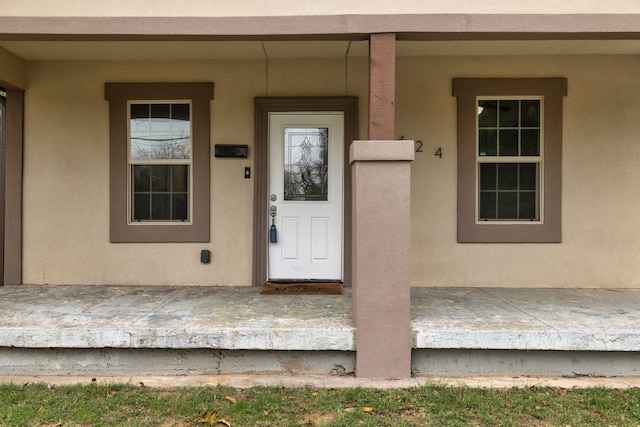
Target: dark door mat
x=301 y=288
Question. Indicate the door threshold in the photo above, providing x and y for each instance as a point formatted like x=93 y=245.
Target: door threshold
x=302 y=288
x=287 y=281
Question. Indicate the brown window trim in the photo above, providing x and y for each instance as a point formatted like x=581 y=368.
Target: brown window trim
x=550 y=231
x=200 y=95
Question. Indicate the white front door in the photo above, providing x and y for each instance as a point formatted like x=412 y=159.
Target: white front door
x=306 y=191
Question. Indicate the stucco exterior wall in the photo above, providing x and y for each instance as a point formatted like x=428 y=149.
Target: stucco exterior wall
x=307 y=7
x=66 y=236
x=66 y=169
x=601 y=234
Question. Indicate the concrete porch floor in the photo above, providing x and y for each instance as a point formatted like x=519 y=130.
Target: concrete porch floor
x=216 y=330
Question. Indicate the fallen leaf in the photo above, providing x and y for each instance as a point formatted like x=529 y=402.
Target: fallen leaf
x=231 y=399
x=265 y=412
x=211 y=418
x=314 y=394
x=368 y=409
x=349 y=409
x=224 y=422
x=206 y=417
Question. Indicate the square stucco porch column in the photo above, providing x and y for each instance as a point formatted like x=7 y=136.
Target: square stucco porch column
x=381 y=257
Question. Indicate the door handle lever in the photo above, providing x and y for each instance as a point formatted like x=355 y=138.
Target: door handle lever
x=273 y=232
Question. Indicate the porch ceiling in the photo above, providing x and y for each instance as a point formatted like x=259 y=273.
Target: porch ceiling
x=213 y=50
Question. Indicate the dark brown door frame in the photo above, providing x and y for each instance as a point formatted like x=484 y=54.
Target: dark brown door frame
x=11 y=187
x=3 y=119
x=348 y=105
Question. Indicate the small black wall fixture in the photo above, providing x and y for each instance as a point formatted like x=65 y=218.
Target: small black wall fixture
x=205 y=256
x=229 y=150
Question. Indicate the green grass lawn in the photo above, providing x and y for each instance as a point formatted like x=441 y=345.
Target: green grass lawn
x=436 y=405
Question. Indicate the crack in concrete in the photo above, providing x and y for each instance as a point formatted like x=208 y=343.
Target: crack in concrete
x=518 y=309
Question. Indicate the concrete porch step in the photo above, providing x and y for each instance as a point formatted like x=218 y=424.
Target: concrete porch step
x=526 y=319
x=50 y=330
x=172 y=318
x=239 y=318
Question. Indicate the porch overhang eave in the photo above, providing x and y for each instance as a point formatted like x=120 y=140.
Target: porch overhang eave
x=325 y=27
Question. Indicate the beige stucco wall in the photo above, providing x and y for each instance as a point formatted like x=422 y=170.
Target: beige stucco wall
x=306 y=7
x=66 y=236
x=601 y=207
x=66 y=169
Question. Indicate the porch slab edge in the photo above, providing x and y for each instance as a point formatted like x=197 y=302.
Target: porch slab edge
x=181 y=338
x=528 y=340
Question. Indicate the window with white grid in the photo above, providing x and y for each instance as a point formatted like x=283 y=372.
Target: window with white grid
x=160 y=161
x=509 y=159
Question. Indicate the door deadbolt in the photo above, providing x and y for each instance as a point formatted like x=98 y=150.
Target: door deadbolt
x=274 y=211
x=273 y=197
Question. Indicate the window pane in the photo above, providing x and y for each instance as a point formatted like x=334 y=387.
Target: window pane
x=488 y=114
x=528 y=205
x=180 y=131
x=180 y=207
x=508 y=191
x=487 y=205
x=507 y=205
x=179 y=178
x=488 y=174
x=508 y=176
x=140 y=111
x=142 y=207
x=141 y=178
x=159 y=131
x=139 y=129
x=530 y=113
x=160 y=206
x=180 y=112
x=306 y=164
x=528 y=176
x=160 y=111
x=508 y=143
x=509 y=112
x=488 y=142
x=530 y=142
x=160 y=178
x=160 y=193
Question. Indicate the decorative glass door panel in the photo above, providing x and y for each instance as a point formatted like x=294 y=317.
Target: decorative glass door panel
x=306 y=164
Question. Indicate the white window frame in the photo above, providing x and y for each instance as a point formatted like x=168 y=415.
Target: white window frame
x=512 y=159
x=160 y=162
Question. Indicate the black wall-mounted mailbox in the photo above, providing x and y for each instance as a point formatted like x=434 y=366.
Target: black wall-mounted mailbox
x=227 y=150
